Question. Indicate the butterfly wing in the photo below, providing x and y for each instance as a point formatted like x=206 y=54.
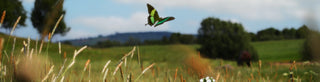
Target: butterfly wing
x=149 y=21
x=153 y=15
x=164 y=20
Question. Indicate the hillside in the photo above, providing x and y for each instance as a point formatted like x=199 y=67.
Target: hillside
x=121 y=37
x=168 y=59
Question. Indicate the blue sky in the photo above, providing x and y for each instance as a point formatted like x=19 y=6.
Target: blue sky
x=89 y=18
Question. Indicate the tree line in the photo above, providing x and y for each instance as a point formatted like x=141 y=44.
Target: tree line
x=178 y=38
x=274 y=34
x=174 y=38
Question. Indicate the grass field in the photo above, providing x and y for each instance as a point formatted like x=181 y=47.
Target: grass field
x=172 y=63
x=277 y=51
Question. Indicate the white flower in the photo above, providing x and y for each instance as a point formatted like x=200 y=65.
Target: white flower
x=285 y=74
x=207 y=79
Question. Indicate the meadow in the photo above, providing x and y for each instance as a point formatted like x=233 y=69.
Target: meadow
x=33 y=60
x=156 y=63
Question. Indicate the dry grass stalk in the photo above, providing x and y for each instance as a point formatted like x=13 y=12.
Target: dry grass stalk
x=49 y=36
x=105 y=75
x=260 y=63
x=218 y=76
x=153 y=74
x=129 y=78
x=121 y=73
x=89 y=72
x=13 y=45
x=1 y=46
x=61 y=79
x=117 y=68
x=144 y=71
x=28 y=46
x=125 y=62
x=65 y=60
x=105 y=66
x=148 y=68
x=2 y=17
x=31 y=53
x=74 y=59
x=36 y=47
x=55 y=27
x=181 y=78
x=251 y=76
x=175 y=75
x=5 y=53
x=41 y=45
x=46 y=77
x=86 y=65
x=128 y=54
x=59 y=47
x=15 y=25
x=64 y=55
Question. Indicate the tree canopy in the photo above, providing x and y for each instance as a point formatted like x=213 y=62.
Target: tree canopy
x=13 y=9
x=223 y=39
x=45 y=15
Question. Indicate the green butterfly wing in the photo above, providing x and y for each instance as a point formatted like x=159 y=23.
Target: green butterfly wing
x=153 y=15
x=164 y=20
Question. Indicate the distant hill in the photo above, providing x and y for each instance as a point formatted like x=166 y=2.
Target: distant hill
x=121 y=37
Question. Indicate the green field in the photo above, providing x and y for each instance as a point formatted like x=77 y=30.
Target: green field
x=167 y=59
x=284 y=50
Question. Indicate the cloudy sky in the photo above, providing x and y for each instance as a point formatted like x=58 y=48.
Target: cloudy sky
x=89 y=18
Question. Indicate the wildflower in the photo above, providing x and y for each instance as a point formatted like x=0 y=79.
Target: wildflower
x=285 y=74
x=207 y=79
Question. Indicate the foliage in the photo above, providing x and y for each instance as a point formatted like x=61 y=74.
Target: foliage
x=44 y=15
x=274 y=34
x=222 y=39
x=289 y=33
x=132 y=41
x=182 y=38
x=13 y=9
x=175 y=38
x=107 y=43
x=269 y=34
x=253 y=37
x=311 y=45
x=302 y=32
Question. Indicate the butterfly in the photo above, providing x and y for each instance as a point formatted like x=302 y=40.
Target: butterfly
x=154 y=19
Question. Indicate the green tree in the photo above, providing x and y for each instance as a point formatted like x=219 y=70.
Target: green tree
x=165 y=40
x=223 y=39
x=187 y=39
x=253 y=36
x=175 y=38
x=13 y=9
x=289 y=33
x=311 y=46
x=45 y=14
x=107 y=43
x=302 y=32
x=269 y=34
x=132 y=42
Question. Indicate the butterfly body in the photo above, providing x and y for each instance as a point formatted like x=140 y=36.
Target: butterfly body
x=154 y=19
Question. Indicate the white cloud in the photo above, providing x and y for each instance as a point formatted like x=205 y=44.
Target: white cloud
x=111 y=24
x=272 y=10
